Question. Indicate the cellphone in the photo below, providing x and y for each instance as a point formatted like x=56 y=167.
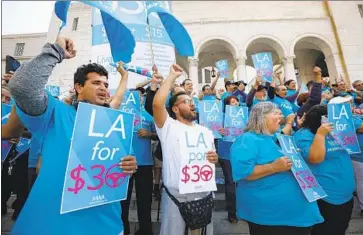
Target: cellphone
x=11 y=64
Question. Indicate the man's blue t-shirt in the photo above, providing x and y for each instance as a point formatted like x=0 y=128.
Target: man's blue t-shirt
x=142 y=146
x=335 y=174
x=284 y=105
x=275 y=200
x=34 y=153
x=41 y=212
x=224 y=149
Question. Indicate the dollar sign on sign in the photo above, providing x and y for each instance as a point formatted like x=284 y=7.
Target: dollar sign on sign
x=186 y=175
x=75 y=174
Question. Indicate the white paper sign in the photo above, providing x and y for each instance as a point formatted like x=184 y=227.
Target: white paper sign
x=197 y=174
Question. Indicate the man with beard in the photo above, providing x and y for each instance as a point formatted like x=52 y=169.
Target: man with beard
x=182 y=118
x=51 y=122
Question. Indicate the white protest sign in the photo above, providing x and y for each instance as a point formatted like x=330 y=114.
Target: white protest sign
x=197 y=174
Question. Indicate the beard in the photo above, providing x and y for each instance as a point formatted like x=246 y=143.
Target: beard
x=189 y=116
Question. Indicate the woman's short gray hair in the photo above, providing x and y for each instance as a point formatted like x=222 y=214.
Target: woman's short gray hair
x=256 y=121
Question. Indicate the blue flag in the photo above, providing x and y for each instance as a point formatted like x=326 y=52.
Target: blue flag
x=5 y=145
x=53 y=90
x=303 y=175
x=121 y=40
x=131 y=104
x=176 y=31
x=142 y=148
x=101 y=137
x=211 y=116
x=235 y=120
x=222 y=66
x=263 y=65
x=344 y=132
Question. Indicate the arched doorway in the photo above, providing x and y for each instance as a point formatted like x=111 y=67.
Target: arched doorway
x=314 y=50
x=208 y=52
x=264 y=44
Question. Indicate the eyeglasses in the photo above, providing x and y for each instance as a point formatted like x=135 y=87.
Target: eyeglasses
x=186 y=101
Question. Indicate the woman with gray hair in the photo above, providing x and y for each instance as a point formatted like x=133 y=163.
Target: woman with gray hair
x=268 y=196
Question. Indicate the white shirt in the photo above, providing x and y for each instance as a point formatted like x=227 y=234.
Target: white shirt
x=168 y=136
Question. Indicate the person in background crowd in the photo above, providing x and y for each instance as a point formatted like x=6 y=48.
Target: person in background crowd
x=187 y=84
x=240 y=92
x=257 y=94
x=209 y=91
x=332 y=167
x=291 y=87
x=183 y=115
x=315 y=94
x=143 y=184
x=51 y=123
x=264 y=179
x=5 y=95
x=357 y=160
x=326 y=84
x=230 y=88
x=358 y=86
x=278 y=96
x=224 y=160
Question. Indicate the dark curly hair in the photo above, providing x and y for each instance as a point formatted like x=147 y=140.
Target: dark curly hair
x=313 y=117
x=80 y=76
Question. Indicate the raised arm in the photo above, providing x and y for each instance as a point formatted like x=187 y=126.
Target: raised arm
x=159 y=110
x=117 y=98
x=143 y=83
x=317 y=150
x=214 y=83
x=28 y=83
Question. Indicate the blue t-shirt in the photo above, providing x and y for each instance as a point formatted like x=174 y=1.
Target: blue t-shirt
x=224 y=148
x=142 y=147
x=41 y=212
x=335 y=174
x=34 y=153
x=276 y=199
x=358 y=121
x=284 y=105
x=290 y=92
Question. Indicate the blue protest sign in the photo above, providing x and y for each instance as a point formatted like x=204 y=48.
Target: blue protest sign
x=344 y=132
x=5 y=145
x=263 y=65
x=303 y=175
x=211 y=116
x=142 y=148
x=209 y=97
x=235 y=120
x=101 y=137
x=53 y=90
x=222 y=66
x=131 y=104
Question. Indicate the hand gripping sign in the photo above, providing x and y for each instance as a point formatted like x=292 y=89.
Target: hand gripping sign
x=211 y=116
x=303 y=175
x=197 y=174
x=101 y=137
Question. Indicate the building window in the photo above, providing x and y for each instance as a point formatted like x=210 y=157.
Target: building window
x=200 y=76
x=75 y=24
x=360 y=7
x=19 y=49
x=207 y=78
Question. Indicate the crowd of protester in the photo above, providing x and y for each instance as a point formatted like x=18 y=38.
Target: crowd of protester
x=259 y=186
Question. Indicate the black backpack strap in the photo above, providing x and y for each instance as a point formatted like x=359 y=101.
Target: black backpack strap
x=177 y=203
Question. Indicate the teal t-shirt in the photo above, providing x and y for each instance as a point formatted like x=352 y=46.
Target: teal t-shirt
x=41 y=212
x=284 y=105
x=275 y=200
x=335 y=174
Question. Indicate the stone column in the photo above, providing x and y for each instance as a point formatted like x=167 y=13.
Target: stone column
x=193 y=71
x=241 y=69
x=289 y=69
